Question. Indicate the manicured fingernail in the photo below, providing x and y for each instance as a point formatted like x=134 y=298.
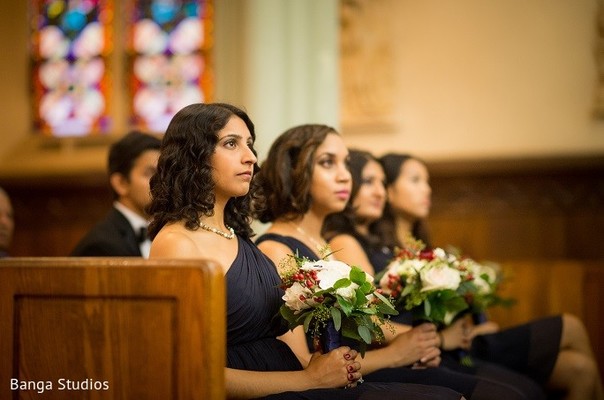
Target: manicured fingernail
x=350 y=377
x=350 y=368
x=347 y=356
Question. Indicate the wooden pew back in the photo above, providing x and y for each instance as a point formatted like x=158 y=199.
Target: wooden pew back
x=112 y=328
x=544 y=287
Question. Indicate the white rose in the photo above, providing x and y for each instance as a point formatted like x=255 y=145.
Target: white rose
x=348 y=292
x=411 y=267
x=482 y=285
x=477 y=270
x=329 y=272
x=292 y=297
x=439 y=253
x=439 y=277
x=490 y=271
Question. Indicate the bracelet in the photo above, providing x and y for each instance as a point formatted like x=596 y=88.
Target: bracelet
x=442 y=340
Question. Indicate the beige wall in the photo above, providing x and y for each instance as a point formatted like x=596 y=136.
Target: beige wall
x=490 y=78
x=467 y=79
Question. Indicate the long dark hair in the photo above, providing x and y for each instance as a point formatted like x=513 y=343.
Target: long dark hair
x=285 y=177
x=385 y=227
x=345 y=222
x=183 y=188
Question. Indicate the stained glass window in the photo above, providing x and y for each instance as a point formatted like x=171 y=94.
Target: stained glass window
x=70 y=44
x=169 y=50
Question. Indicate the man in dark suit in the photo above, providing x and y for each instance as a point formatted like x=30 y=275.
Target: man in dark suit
x=132 y=162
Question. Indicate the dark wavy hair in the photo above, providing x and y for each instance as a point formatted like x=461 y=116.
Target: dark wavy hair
x=183 y=188
x=385 y=227
x=345 y=222
x=284 y=180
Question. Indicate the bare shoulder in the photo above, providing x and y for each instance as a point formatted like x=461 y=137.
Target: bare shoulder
x=347 y=248
x=174 y=241
x=344 y=242
x=274 y=250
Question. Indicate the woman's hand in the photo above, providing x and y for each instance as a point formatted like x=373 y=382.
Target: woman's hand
x=483 y=329
x=419 y=344
x=457 y=335
x=338 y=368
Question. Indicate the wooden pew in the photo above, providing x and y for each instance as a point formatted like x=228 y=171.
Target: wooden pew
x=548 y=287
x=111 y=328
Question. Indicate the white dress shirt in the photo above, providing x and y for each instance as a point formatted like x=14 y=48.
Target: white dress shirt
x=137 y=223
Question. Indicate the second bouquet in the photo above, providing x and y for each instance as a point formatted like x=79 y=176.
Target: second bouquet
x=334 y=302
x=427 y=283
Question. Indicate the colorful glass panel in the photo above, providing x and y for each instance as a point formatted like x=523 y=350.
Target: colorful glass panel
x=70 y=44
x=169 y=53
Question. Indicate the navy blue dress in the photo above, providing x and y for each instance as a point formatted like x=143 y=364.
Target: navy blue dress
x=472 y=386
x=253 y=301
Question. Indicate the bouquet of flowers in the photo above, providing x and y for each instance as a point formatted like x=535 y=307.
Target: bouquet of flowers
x=425 y=282
x=437 y=286
x=333 y=301
x=479 y=286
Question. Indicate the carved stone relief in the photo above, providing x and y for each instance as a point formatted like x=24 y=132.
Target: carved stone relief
x=368 y=83
x=599 y=55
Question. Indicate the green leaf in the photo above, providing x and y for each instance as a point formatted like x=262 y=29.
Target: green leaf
x=364 y=333
x=407 y=289
x=362 y=349
x=386 y=309
x=456 y=304
x=427 y=307
x=345 y=305
x=342 y=283
x=366 y=287
x=385 y=305
x=307 y=321
x=357 y=275
x=360 y=298
x=336 y=316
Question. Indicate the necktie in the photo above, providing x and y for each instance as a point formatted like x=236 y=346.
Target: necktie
x=142 y=235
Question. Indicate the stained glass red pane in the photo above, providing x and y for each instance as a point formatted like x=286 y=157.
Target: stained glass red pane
x=169 y=46
x=70 y=44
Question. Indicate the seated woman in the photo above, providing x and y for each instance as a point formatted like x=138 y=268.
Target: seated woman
x=201 y=199
x=304 y=179
x=554 y=351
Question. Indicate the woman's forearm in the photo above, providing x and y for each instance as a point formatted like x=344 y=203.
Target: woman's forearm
x=243 y=384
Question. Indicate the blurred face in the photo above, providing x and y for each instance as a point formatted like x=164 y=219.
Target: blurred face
x=410 y=193
x=233 y=160
x=7 y=223
x=371 y=197
x=331 y=180
x=134 y=191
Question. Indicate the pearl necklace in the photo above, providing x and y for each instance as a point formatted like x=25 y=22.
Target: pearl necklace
x=320 y=247
x=225 y=235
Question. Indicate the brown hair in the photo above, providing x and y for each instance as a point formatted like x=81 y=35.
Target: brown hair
x=385 y=227
x=285 y=176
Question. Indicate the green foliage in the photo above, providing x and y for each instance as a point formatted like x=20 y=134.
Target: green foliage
x=351 y=302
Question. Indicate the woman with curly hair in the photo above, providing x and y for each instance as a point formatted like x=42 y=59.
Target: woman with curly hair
x=305 y=178
x=200 y=208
